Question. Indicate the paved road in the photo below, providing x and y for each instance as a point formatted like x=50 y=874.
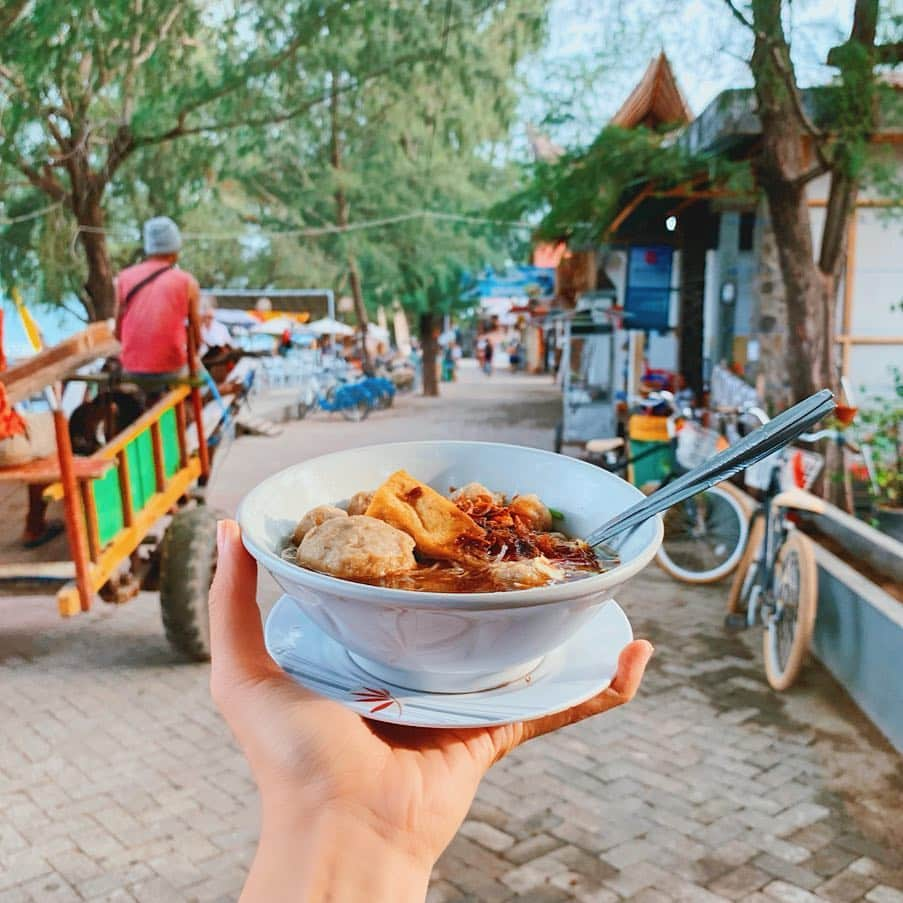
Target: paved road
x=119 y=782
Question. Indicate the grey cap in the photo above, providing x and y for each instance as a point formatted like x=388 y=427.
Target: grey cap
x=161 y=236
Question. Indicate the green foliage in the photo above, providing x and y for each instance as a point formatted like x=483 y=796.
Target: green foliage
x=215 y=113
x=579 y=195
x=883 y=429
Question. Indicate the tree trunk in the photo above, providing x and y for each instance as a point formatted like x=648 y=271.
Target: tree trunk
x=810 y=293
x=100 y=298
x=430 y=348
x=354 y=278
x=779 y=166
x=341 y=211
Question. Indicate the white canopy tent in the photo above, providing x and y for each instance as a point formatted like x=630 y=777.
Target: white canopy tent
x=329 y=326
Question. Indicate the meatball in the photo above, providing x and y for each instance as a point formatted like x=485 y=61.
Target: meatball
x=360 y=502
x=532 y=511
x=357 y=548
x=522 y=574
x=476 y=491
x=314 y=518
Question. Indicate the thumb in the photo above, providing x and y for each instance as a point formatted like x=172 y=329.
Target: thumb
x=237 y=649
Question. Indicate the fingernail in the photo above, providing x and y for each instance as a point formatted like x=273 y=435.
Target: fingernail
x=220 y=535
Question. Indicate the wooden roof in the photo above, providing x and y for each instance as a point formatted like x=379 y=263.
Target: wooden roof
x=656 y=100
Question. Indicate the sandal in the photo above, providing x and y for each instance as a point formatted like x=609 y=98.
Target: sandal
x=51 y=531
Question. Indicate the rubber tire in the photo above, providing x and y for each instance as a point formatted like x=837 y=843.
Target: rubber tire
x=357 y=412
x=738 y=584
x=722 y=570
x=559 y=438
x=187 y=566
x=807 y=605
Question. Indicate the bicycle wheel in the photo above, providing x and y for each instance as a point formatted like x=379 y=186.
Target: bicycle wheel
x=789 y=629
x=746 y=570
x=357 y=411
x=704 y=537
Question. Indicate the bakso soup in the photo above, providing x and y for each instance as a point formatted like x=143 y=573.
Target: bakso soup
x=407 y=535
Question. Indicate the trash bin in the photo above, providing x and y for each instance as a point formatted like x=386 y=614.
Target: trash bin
x=650 y=449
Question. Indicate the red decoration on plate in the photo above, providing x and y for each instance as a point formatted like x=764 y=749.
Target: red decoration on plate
x=383 y=698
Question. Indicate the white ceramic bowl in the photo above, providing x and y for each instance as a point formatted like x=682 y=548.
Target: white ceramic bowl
x=443 y=642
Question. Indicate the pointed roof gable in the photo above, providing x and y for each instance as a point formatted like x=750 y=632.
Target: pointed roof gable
x=656 y=100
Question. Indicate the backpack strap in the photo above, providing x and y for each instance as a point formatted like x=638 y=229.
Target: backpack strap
x=124 y=306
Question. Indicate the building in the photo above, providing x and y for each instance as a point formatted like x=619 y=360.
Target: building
x=719 y=291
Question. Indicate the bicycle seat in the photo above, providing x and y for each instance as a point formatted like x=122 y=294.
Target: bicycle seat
x=603 y=446
x=801 y=500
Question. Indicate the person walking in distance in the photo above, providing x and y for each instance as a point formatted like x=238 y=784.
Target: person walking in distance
x=157 y=304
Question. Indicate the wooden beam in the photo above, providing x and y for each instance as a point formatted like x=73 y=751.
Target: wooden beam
x=75 y=532
x=56 y=363
x=125 y=489
x=157 y=446
x=90 y=509
x=848 y=280
x=870 y=339
x=864 y=203
x=628 y=208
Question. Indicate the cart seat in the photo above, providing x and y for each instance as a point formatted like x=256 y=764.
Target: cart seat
x=47 y=470
x=604 y=446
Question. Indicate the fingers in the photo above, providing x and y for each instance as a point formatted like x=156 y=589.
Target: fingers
x=631 y=666
x=236 y=636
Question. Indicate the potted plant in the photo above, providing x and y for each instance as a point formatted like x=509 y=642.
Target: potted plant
x=883 y=438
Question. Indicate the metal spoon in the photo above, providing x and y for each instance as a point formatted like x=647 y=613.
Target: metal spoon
x=764 y=441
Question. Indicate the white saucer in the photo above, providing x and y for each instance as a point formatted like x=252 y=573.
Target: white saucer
x=572 y=673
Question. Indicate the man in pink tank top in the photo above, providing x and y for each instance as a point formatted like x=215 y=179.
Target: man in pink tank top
x=156 y=303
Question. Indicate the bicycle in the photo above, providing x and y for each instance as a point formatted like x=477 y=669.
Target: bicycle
x=705 y=535
x=776 y=582
x=351 y=401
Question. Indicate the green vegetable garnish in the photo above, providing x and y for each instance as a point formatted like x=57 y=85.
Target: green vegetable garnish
x=556 y=515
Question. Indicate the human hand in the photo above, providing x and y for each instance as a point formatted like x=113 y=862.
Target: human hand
x=351 y=809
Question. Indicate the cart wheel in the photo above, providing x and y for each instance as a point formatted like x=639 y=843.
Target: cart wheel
x=559 y=438
x=187 y=565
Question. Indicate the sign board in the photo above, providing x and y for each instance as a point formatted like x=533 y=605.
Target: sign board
x=647 y=298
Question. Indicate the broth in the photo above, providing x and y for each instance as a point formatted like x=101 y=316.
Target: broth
x=410 y=537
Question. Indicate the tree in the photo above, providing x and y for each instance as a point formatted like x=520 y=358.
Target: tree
x=85 y=88
x=783 y=169
x=409 y=151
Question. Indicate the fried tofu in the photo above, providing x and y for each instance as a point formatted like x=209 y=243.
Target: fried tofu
x=436 y=523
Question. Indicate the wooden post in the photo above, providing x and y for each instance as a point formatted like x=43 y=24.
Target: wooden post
x=848 y=294
x=182 y=433
x=75 y=531
x=125 y=488
x=90 y=509
x=197 y=405
x=157 y=445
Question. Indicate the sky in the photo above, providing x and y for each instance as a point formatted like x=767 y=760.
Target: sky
x=598 y=50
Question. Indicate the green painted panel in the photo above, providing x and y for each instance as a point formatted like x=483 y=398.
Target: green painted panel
x=141 y=469
x=109 y=505
x=170 y=435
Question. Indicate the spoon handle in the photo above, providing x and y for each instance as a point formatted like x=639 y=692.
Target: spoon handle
x=757 y=445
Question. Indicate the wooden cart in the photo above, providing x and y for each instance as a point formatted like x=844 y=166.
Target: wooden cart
x=114 y=499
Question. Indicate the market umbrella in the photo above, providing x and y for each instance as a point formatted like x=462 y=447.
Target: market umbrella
x=278 y=325
x=234 y=317
x=328 y=326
